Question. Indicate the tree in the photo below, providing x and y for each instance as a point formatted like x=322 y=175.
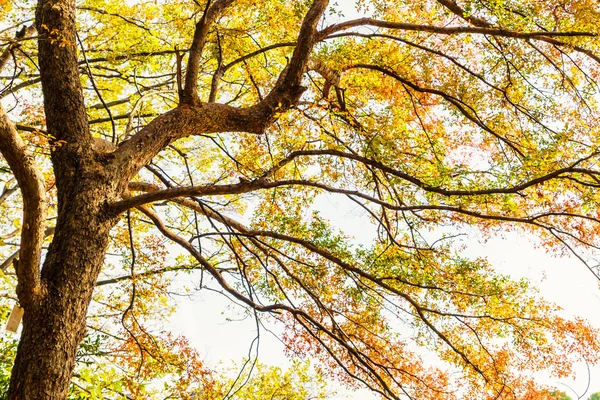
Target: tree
x=215 y=125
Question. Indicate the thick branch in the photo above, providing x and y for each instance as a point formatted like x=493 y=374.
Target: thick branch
x=447 y=30
x=287 y=90
x=190 y=91
x=198 y=118
x=64 y=107
x=181 y=122
x=457 y=10
x=264 y=183
x=31 y=183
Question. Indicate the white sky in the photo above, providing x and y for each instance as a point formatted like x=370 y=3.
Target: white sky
x=563 y=281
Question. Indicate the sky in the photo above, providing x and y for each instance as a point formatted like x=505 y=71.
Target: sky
x=213 y=327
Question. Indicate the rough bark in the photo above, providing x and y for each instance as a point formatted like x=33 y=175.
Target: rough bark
x=55 y=318
x=31 y=183
x=54 y=326
x=190 y=91
x=54 y=323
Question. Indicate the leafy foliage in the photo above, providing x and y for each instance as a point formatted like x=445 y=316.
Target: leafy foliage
x=431 y=117
x=298 y=382
x=559 y=395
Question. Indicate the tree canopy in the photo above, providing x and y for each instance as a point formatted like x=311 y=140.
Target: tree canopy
x=129 y=129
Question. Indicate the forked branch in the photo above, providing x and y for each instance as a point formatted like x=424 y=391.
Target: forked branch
x=198 y=118
x=211 y=13
x=265 y=183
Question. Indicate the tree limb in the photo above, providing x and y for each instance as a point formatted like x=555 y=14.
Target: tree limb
x=193 y=117
x=60 y=75
x=466 y=110
x=206 y=265
x=190 y=90
x=287 y=90
x=264 y=183
x=458 y=11
x=346 y=266
x=8 y=261
x=447 y=30
x=31 y=183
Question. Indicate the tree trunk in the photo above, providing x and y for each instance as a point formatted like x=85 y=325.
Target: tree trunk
x=54 y=325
